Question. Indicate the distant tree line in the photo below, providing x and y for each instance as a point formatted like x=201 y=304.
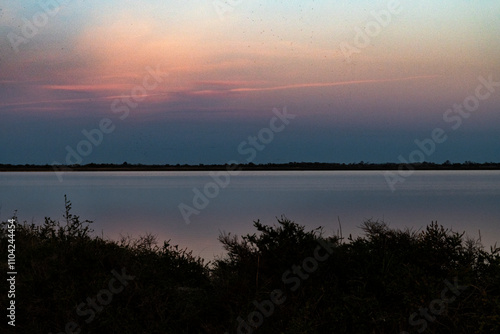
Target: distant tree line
x=125 y=166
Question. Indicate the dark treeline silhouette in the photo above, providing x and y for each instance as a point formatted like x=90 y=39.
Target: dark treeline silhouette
x=447 y=165
x=280 y=279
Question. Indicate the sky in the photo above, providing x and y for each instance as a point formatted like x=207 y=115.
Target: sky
x=213 y=81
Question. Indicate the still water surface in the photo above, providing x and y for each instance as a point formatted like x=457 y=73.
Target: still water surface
x=134 y=203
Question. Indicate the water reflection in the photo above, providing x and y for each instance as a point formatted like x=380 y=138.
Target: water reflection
x=139 y=202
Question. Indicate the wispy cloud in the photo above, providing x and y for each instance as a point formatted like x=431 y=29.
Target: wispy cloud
x=76 y=100
x=88 y=88
x=202 y=89
x=330 y=84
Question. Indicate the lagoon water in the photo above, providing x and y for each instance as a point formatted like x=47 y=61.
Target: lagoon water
x=135 y=203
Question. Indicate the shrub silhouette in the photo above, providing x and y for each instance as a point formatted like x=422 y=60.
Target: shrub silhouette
x=369 y=284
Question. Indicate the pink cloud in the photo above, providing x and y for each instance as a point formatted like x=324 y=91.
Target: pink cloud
x=330 y=84
x=88 y=88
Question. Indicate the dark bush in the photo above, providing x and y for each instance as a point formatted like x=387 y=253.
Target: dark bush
x=384 y=281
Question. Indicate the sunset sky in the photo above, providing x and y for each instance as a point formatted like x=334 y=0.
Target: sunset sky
x=189 y=81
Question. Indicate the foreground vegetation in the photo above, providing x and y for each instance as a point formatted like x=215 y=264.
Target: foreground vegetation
x=282 y=279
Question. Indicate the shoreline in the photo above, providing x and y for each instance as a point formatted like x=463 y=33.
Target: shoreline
x=302 y=166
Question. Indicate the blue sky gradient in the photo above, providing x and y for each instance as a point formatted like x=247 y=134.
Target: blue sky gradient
x=222 y=73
